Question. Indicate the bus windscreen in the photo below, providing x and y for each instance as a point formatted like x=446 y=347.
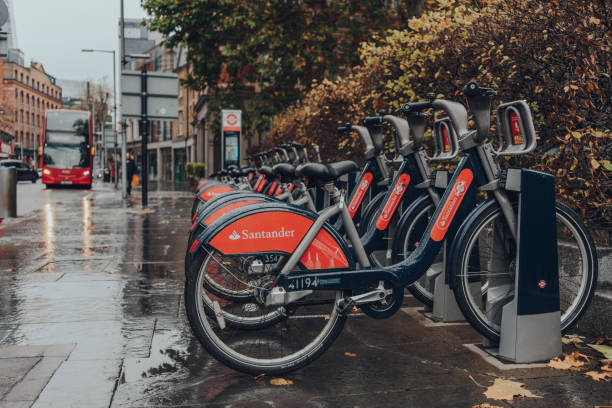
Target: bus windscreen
x=67 y=140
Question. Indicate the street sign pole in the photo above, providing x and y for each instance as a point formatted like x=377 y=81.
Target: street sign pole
x=144 y=133
x=120 y=111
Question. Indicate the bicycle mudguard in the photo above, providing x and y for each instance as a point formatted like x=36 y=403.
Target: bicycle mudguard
x=224 y=204
x=204 y=205
x=214 y=190
x=401 y=224
x=460 y=237
x=369 y=211
x=276 y=228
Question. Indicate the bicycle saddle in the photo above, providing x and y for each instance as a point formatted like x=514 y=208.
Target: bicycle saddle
x=324 y=173
x=266 y=171
x=285 y=170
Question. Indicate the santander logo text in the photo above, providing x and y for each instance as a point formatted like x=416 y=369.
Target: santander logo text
x=250 y=235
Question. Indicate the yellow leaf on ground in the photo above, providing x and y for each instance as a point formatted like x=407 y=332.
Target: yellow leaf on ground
x=572 y=339
x=259 y=376
x=603 y=349
x=485 y=405
x=599 y=376
x=346 y=353
x=606 y=365
x=280 y=381
x=507 y=390
x=114 y=272
x=571 y=361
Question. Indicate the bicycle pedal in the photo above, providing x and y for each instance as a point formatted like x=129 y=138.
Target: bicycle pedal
x=219 y=315
x=345 y=305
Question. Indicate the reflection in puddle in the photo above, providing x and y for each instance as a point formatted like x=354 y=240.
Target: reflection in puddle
x=87 y=224
x=49 y=231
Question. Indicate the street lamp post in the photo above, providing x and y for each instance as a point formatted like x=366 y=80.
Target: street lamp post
x=114 y=106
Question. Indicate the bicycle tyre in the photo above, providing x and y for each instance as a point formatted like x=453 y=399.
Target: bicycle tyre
x=204 y=329
x=470 y=307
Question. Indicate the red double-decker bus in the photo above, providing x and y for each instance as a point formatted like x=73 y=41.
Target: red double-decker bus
x=67 y=148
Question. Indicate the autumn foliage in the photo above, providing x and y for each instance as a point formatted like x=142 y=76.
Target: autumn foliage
x=555 y=54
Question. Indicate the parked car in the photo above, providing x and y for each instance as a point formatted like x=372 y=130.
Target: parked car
x=24 y=172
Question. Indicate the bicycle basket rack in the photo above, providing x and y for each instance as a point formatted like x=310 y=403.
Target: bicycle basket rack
x=515 y=128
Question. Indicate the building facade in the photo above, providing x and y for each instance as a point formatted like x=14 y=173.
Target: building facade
x=28 y=92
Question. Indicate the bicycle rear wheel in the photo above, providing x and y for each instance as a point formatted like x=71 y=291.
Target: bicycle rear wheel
x=280 y=339
x=487 y=258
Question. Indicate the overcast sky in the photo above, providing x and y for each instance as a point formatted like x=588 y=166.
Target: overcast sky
x=53 y=32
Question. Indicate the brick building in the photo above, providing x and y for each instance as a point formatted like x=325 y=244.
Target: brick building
x=27 y=93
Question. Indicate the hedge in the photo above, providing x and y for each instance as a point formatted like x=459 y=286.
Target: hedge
x=555 y=54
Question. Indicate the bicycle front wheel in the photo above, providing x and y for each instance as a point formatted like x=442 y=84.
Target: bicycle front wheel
x=486 y=273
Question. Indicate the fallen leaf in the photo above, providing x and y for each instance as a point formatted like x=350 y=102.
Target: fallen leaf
x=571 y=361
x=606 y=365
x=599 y=376
x=257 y=377
x=280 y=381
x=598 y=341
x=114 y=272
x=165 y=222
x=507 y=390
x=356 y=309
x=106 y=246
x=603 y=349
x=346 y=353
x=485 y=405
x=572 y=339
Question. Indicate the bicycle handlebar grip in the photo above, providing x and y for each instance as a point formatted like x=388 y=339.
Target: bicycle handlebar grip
x=372 y=120
x=345 y=128
x=472 y=89
x=415 y=107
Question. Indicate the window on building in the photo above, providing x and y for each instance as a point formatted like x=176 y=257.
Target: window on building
x=38 y=120
x=180 y=124
x=27 y=139
x=16 y=74
x=33 y=119
x=21 y=77
x=21 y=117
x=21 y=97
x=27 y=118
x=27 y=99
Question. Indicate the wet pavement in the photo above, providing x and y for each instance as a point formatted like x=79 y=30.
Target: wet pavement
x=91 y=315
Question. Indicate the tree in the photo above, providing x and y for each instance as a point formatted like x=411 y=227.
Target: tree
x=276 y=47
x=96 y=95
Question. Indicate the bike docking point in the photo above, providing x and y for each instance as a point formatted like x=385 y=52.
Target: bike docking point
x=531 y=322
x=445 y=308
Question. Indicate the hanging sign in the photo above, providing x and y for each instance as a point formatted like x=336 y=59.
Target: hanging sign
x=231 y=132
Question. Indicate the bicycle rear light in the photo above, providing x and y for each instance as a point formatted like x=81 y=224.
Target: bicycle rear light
x=445 y=140
x=515 y=128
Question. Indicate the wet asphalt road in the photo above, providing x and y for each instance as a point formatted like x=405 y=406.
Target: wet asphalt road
x=33 y=196
x=91 y=315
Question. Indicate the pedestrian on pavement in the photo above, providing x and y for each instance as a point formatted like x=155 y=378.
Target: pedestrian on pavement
x=130 y=171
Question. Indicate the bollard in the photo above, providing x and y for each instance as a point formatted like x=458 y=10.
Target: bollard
x=8 y=192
